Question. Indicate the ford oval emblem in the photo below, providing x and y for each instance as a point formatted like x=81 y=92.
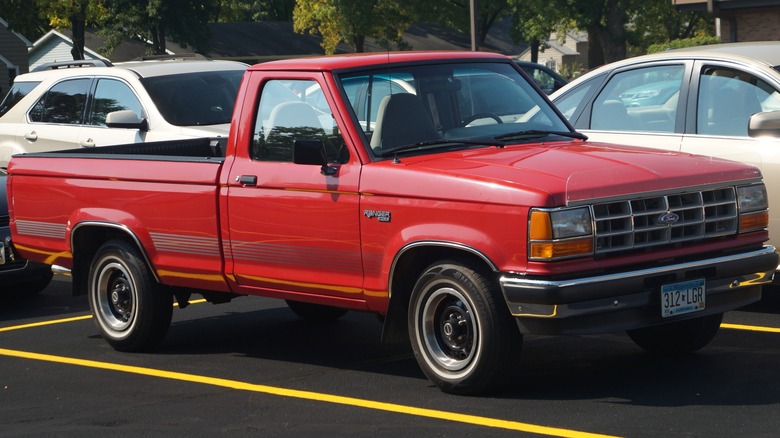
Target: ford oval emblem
x=668 y=218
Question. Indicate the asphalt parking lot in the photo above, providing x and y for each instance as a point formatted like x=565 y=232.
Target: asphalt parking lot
x=251 y=367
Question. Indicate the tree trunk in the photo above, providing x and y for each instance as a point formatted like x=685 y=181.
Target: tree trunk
x=78 y=23
x=534 y=50
x=595 y=49
x=359 y=42
x=613 y=35
x=158 y=39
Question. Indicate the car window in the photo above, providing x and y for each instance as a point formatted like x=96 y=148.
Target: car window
x=15 y=94
x=195 y=99
x=112 y=95
x=643 y=99
x=727 y=99
x=284 y=116
x=546 y=81
x=63 y=103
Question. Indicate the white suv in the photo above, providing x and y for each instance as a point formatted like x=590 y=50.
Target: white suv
x=70 y=105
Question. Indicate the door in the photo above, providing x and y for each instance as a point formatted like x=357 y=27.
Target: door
x=725 y=99
x=292 y=230
x=55 y=119
x=641 y=106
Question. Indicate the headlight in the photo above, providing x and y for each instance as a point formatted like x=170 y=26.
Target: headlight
x=753 y=206
x=560 y=233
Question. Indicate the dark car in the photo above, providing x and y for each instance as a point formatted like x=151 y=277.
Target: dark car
x=546 y=78
x=18 y=276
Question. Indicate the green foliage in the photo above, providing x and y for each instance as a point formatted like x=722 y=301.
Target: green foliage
x=24 y=17
x=682 y=43
x=352 y=21
x=152 y=21
x=254 y=10
x=457 y=14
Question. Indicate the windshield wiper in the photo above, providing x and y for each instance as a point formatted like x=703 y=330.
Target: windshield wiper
x=442 y=142
x=540 y=132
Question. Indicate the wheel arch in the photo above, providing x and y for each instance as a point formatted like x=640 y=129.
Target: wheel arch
x=408 y=264
x=87 y=237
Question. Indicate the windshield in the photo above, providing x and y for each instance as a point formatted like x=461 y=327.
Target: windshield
x=445 y=106
x=195 y=99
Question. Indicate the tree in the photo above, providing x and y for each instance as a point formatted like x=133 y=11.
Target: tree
x=24 y=17
x=533 y=21
x=352 y=21
x=152 y=21
x=255 y=10
x=70 y=13
x=457 y=14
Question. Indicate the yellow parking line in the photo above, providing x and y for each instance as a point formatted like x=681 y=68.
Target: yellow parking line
x=43 y=323
x=64 y=320
x=307 y=395
x=752 y=328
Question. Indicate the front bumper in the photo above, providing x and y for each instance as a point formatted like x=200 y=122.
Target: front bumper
x=629 y=300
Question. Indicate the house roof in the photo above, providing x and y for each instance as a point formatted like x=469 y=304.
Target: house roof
x=18 y=35
x=553 y=44
x=55 y=34
x=128 y=50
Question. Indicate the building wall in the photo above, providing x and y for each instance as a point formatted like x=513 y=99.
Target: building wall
x=760 y=24
x=13 y=58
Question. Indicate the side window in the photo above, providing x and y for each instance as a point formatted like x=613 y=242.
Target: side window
x=644 y=99
x=63 y=103
x=569 y=103
x=112 y=95
x=17 y=92
x=727 y=99
x=285 y=115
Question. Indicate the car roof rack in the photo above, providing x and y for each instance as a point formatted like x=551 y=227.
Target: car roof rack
x=72 y=64
x=172 y=57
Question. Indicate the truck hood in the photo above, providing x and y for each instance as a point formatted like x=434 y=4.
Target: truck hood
x=556 y=173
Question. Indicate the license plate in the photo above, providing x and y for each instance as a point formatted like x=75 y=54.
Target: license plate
x=684 y=297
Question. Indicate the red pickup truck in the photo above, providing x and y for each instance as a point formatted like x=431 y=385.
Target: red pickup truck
x=441 y=191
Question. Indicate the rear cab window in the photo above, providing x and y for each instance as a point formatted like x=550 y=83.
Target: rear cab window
x=17 y=92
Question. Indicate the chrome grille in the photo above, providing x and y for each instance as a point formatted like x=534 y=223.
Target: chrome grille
x=640 y=223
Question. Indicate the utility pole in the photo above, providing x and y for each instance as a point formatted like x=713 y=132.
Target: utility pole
x=474 y=40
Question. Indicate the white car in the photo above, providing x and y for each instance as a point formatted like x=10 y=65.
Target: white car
x=70 y=105
x=720 y=100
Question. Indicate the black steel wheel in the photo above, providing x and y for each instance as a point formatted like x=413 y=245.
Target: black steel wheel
x=462 y=334
x=679 y=337
x=129 y=307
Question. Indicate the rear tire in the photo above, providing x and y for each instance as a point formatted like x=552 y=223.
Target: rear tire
x=678 y=338
x=461 y=332
x=131 y=310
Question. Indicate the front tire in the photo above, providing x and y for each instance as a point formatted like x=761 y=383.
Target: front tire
x=461 y=332
x=131 y=310
x=678 y=338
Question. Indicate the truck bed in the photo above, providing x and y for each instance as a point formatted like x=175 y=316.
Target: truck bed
x=163 y=195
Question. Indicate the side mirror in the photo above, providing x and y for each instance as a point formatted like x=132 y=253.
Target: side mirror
x=765 y=124
x=126 y=119
x=312 y=152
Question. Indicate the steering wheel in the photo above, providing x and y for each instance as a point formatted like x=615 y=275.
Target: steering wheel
x=470 y=119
